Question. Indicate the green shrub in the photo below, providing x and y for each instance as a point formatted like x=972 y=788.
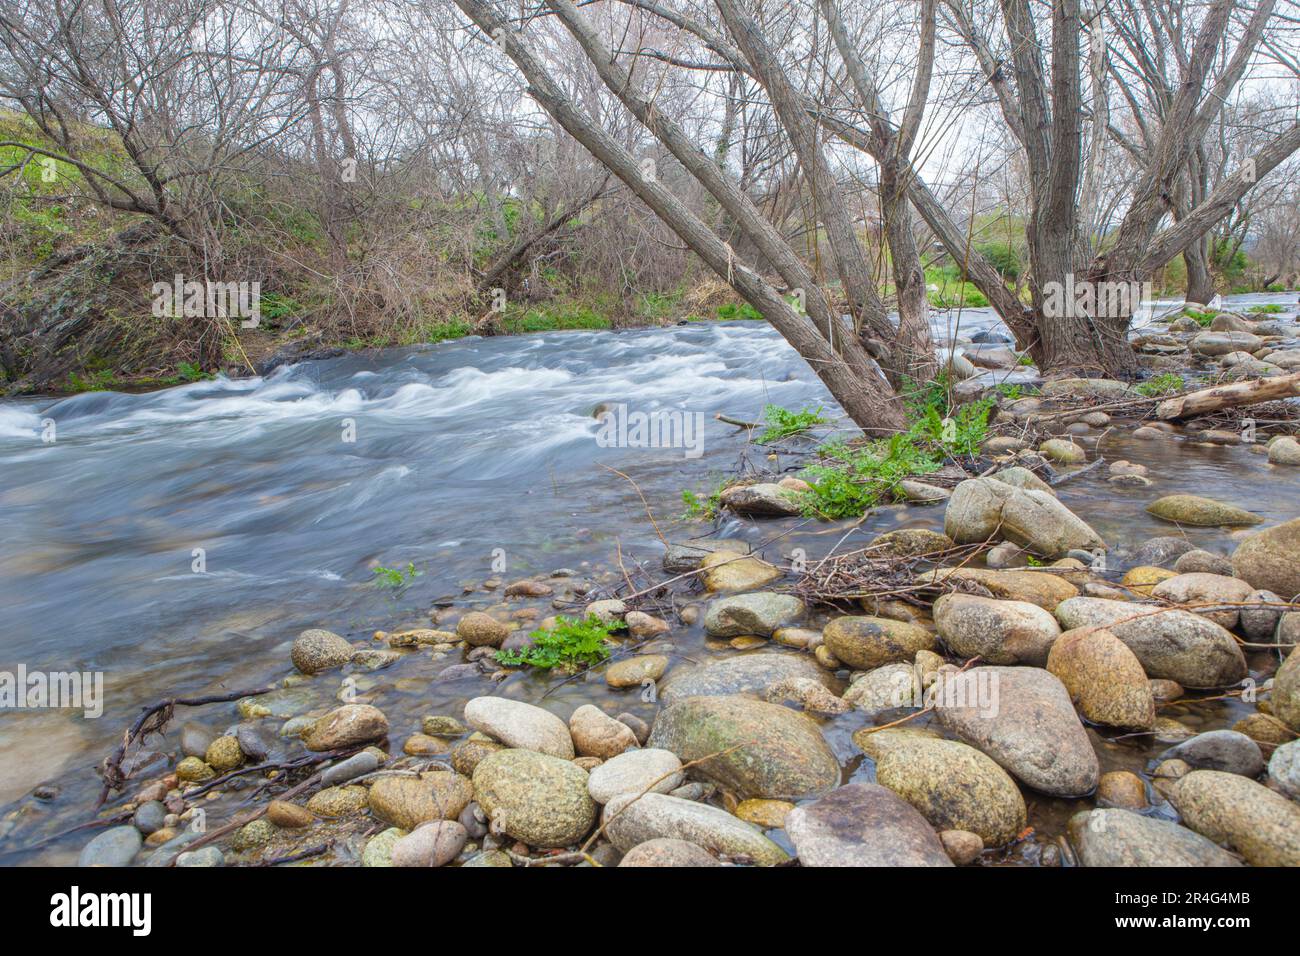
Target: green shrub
x=570 y=644
x=782 y=423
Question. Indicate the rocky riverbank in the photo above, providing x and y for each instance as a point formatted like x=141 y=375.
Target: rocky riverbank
x=922 y=698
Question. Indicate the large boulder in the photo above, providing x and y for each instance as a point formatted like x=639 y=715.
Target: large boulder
x=520 y=725
x=751 y=674
x=1200 y=512
x=533 y=797
x=954 y=786
x=1121 y=838
x=1232 y=810
x=981 y=508
x=1270 y=559
x=759 y=613
x=1172 y=644
x=863 y=824
x=998 y=632
x=631 y=821
x=1043 y=588
x=1022 y=717
x=762 y=750
x=1222 y=343
x=867 y=642
x=1104 y=679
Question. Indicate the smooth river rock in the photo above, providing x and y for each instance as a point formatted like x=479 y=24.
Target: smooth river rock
x=867 y=642
x=520 y=725
x=1022 y=717
x=317 y=650
x=347 y=726
x=116 y=846
x=1225 y=750
x=1104 y=679
x=779 y=753
x=1175 y=645
x=760 y=613
x=1114 y=837
x=667 y=852
x=1232 y=810
x=863 y=824
x=953 y=785
x=634 y=771
x=981 y=508
x=631 y=821
x=1270 y=559
x=999 y=632
x=534 y=797
x=406 y=802
x=596 y=734
x=1206 y=589
x=1200 y=512
x=1043 y=588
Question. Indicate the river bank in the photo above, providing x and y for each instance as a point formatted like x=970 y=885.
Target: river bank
x=456 y=739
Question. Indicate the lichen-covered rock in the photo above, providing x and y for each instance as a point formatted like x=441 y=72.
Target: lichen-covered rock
x=482 y=630
x=954 y=786
x=1043 y=588
x=533 y=797
x=760 y=613
x=868 y=642
x=631 y=821
x=1120 y=838
x=751 y=674
x=1235 y=811
x=728 y=571
x=1270 y=559
x=766 y=499
x=347 y=726
x=317 y=650
x=1206 y=589
x=764 y=750
x=981 y=508
x=999 y=632
x=406 y=802
x=1172 y=644
x=1104 y=679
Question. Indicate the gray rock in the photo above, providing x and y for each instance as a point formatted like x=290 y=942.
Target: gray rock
x=355 y=766
x=195 y=739
x=759 y=613
x=631 y=821
x=116 y=846
x=744 y=674
x=668 y=852
x=1260 y=624
x=766 y=499
x=765 y=750
x=1204 y=562
x=633 y=772
x=1284 y=769
x=1225 y=750
x=999 y=632
x=149 y=817
x=317 y=650
x=1023 y=718
x=981 y=508
x=1115 y=837
x=204 y=857
x=520 y=725
x=1270 y=559
x=1237 y=812
x=436 y=843
x=1158 y=552
x=863 y=824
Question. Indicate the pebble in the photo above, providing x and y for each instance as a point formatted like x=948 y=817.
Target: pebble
x=149 y=817
x=289 y=815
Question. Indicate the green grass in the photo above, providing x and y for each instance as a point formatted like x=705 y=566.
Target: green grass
x=1272 y=309
x=1166 y=384
x=701 y=507
x=782 y=423
x=102 y=380
x=738 y=310
x=573 y=643
x=553 y=318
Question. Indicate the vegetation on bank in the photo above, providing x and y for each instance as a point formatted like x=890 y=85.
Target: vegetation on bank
x=572 y=643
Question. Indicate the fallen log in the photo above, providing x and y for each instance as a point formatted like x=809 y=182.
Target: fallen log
x=1229 y=396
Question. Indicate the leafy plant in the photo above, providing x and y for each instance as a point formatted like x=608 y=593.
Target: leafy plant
x=782 y=423
x=1270 y=309
x=571 y=643
x=1166 y=384
x=396 y=578
x=698 y=506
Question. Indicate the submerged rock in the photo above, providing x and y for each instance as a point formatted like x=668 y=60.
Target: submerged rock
x=751 y=674
x=863 y=824
x=116 y=846
x=778 y=753
x=1022 y=717
x=1200 y=512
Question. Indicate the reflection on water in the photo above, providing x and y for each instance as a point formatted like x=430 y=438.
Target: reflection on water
x=460 y=449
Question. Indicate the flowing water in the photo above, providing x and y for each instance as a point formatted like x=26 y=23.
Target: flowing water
x=177 y=541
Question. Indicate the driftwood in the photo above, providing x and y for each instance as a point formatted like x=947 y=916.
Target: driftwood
x=1228 y=396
